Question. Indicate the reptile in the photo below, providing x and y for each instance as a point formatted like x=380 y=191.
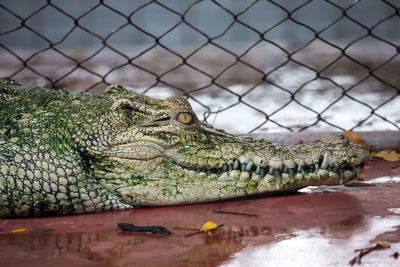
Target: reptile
x=64 y=152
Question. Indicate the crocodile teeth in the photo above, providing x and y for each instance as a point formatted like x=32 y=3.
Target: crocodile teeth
x=248 y=166
x=236 y=165
x=278 y=179
x=271 y=171
x=341 y=176
x=300 y=169
x=311 y=168
x=243 y=167
x=262 y=172
x=291 y=174
x=357 y=171
x=225 y=168
x=325 y=161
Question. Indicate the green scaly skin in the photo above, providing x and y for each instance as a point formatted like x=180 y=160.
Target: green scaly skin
x=68 y=153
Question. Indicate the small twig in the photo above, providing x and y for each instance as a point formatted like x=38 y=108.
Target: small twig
x=365 y=251
x=235 y=213
x=194 y=233
x=204 y=231
x=184 y=228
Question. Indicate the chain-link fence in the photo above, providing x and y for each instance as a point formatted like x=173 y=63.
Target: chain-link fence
x=251 y=66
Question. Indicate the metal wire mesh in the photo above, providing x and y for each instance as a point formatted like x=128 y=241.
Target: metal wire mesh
x=187 y=72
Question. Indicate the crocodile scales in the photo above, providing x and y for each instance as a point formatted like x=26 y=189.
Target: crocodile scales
x=67 y=152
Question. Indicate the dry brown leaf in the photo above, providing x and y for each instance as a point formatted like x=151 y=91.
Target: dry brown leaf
x=355 y=138
x=392 y=157
x=388 y=155
x=382 y=153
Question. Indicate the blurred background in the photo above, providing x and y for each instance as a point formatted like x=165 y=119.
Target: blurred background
x=245 y=66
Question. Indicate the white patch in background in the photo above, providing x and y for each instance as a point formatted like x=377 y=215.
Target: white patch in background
x=157 y=92
x=317 y=95
x=313 y=248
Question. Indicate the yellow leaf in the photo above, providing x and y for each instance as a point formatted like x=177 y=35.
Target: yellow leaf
x=384 y=244
x=18 y=230
x=209 y=226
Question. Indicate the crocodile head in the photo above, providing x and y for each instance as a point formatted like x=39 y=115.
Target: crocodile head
x=154 y=152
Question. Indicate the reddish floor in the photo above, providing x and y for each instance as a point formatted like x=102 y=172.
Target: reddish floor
x=349 y=216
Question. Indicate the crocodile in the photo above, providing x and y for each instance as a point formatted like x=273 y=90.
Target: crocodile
x=65 y=152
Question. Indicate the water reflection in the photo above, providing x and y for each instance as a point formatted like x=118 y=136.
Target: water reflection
x=96 y=240
x=332 y=245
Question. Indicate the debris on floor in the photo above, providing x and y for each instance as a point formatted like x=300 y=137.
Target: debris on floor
x=143 y=229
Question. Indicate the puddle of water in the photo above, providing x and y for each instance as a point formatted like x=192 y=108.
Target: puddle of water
x=315 y=247
x=325 y=189
x=343 y=188
x=94 y=239
x=394 y=210
x=385 y=179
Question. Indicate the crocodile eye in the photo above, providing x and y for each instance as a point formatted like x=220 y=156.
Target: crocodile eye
x=185 y=117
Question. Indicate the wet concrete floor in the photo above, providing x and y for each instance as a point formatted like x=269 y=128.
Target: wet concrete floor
x=318 y=227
